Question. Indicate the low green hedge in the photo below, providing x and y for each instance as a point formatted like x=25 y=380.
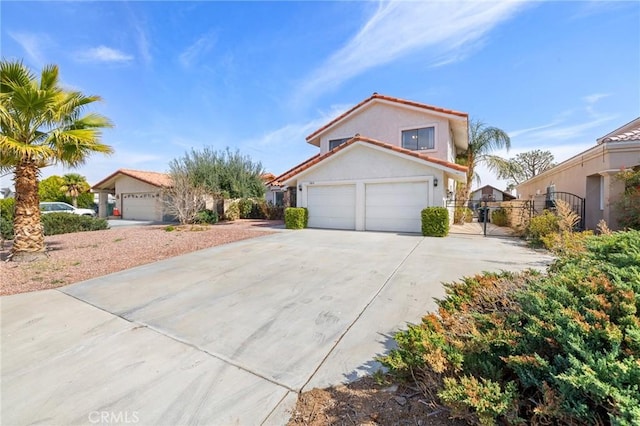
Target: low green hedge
x=66 y=223
x=435 y=222
x=296 y=217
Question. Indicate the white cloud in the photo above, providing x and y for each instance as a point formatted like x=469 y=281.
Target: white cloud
x=284 y=147
x=199 y=48
x=143 y=44
x=32 y=44
x=104 y=54
x=451 y=30
x=592 y=99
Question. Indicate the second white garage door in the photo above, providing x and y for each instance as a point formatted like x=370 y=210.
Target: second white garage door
x=332 y=206
x=395 y=206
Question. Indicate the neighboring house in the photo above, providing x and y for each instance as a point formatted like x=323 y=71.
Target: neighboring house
x=138 y=194
x=6 y=193
x=490 y=193
x=272 y=194
x=379 y=164
x=592 y=175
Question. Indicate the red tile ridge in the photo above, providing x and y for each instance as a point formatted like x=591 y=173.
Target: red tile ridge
x=318 y=158
x=390 y=99
x=158 y=179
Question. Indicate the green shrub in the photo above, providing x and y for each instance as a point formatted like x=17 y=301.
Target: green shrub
x=6 y=228
x=514 y=348
x=207 y=216
x=169 y=228
x=462 y=215
x=65 y=223
x=499 y=217
x=233 y=211
x=246 y=206
x=7 y=208
x=435 y=222
x=540 y=226
x=296 y=217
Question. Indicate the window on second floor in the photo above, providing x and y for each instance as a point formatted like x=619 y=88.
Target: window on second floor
x=333 y=143
x=419 y=139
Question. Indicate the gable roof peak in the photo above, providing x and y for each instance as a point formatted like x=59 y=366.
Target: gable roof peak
x=387 y=99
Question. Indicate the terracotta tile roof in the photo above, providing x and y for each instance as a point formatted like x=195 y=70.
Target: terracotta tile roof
x=318 y=158
x=161 y=180
x=267 y=177
x=390 y=99
x=631 y=135
x=628 y=132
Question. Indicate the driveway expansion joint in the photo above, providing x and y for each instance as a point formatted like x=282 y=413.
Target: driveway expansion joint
x=373 y=298
x=184 y=342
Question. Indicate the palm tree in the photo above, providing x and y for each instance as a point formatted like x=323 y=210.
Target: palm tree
x=74 y=185
x=483 y=140
x=41 y=124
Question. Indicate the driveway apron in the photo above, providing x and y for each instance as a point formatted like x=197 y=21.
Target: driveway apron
x=227 y=335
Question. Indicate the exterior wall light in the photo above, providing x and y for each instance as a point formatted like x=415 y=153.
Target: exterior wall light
x=435 y=182
x=300 y=187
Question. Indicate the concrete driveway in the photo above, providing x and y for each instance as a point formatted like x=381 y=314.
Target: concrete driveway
x=228 y=335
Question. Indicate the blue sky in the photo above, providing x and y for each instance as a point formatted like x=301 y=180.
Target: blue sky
x=260 y=76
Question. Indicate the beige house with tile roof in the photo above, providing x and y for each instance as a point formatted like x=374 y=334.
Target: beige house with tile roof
x=138 y=194
x=379 y=164
x=592 y=174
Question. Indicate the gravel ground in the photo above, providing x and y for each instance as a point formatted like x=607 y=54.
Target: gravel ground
x=84 y=255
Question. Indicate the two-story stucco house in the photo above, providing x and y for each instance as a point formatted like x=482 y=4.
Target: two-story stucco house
x=379 y=164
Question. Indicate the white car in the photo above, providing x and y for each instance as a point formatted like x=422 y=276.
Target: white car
x=59 y=207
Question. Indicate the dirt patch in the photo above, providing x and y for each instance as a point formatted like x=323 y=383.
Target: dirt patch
x=367 y=403
x=80 y=256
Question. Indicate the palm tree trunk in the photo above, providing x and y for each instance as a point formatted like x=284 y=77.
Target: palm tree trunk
x=28 y=241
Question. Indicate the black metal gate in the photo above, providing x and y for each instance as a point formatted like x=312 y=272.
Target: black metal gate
x=475 y=216
x=549 y=201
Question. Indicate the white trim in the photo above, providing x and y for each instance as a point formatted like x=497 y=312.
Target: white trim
x=436 y=166
x=373 y=101
x=360 y=191
x=418 y=127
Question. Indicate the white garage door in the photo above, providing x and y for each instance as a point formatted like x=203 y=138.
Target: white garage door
x=395 y=206
x=332 y=206
x=140 y=206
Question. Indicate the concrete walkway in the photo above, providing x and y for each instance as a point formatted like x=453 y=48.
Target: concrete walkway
x=228 y=335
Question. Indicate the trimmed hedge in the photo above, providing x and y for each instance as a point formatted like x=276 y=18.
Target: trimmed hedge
x=66 y=223
x=435 y=222
x=296 y=217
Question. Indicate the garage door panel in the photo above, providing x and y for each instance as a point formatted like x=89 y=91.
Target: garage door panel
x=332 y=206
x=395 y=206
x=140 y=206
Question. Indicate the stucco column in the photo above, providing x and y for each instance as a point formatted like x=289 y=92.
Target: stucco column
x=612 y=191
x=103 y=199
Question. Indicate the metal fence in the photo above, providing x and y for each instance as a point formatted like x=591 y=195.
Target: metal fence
x=518 y=212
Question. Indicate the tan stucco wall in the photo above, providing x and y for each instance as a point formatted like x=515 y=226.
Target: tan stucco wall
x=386 y=123
x=581 y=174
